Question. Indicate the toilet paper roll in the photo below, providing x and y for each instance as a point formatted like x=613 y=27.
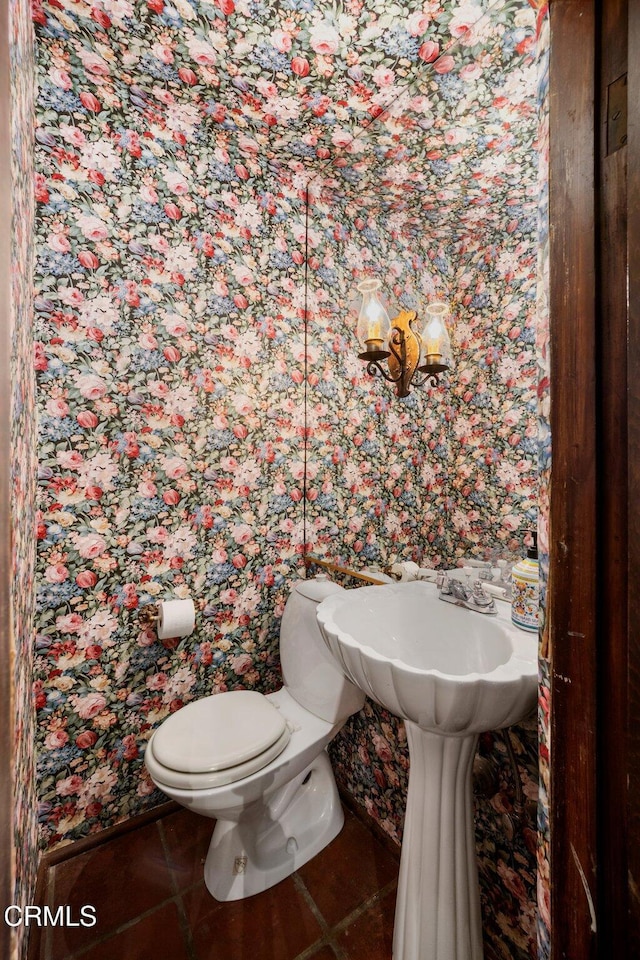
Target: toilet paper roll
x=407 y=570
x=176 y=618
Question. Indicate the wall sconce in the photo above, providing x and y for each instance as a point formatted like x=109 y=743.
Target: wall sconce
x=425 y=349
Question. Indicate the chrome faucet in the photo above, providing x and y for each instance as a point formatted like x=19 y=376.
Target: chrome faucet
x=455 y=591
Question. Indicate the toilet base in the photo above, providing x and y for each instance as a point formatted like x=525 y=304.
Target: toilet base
x=275 y=836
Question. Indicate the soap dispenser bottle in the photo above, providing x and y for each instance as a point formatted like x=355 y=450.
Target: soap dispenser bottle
x=524 y=589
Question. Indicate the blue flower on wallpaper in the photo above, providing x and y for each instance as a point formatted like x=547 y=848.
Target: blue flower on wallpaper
x=479 y=301
x=299 y=149
x=327 y=388
x=280 y=504
x=170 y=17
x=57 y=429
x=372 y=234
x=450 y=88
x=51 y=596
x=439 y=168
x=269 y=59
x=305 y=5
x=57 y=204
x=59 y=100
x=147 y=213
x=147 y=360
x=371 y=551
x=54 y=761
x=371 y=447
x=55 y=371
x=219 y=573
x=398 y=43
x=58 y=264
x=220 y=439
x=146 y=508
x=144 y=657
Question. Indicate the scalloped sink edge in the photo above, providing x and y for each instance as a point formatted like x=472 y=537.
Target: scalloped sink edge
x=449 y=670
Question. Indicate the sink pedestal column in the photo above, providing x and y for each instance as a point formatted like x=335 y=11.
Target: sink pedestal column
x=438 y=904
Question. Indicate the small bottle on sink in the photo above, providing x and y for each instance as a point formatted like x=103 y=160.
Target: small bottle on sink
x=524 y=589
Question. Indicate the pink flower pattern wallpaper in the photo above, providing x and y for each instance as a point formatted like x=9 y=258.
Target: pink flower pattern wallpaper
x=23 y=461
x=208 y=176
x=544 y=490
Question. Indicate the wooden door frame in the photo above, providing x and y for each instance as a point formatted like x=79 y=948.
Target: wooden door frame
x=615 y=455
x=632 y=678
x=594 y=594
x=571 y=610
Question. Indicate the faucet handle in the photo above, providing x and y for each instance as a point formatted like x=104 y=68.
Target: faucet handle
x=442 y=583
x=480 y=597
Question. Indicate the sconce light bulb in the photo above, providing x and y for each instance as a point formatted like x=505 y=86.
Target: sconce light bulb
x=434 y=328
x=436 y=346
x=373 y=320
x=374 y=311
x=433 y=337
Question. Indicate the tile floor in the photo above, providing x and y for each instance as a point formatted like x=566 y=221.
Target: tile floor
x=152 y=904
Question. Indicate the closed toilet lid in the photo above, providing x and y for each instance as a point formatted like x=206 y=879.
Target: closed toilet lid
x=165 y=777
x=218 y=732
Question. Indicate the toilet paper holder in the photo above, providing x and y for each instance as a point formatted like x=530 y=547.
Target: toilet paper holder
x=148 y=615
x=169 y=618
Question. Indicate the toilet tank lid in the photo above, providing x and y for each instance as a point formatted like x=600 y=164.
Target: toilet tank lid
x=218 y=732
x=317 y=588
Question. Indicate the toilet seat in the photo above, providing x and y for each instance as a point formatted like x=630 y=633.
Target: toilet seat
x=217 y=740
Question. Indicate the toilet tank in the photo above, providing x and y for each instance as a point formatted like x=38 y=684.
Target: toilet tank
x=311 y=675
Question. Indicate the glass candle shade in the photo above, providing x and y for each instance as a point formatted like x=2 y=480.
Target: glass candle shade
x=436 y=345
x=373 y=320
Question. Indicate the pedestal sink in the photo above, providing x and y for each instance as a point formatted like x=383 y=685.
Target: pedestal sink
x=450 y=674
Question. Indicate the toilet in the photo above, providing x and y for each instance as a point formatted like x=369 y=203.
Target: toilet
x=258 y=764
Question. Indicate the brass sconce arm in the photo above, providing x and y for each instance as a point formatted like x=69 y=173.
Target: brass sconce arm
x=403 y=355
x=374 y=369
x=402 y=346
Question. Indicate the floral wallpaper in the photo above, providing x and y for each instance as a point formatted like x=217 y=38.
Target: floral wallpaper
x=22 y=458
x=394 y=204
x=454 y=468
x=544 y=487
x=169 y=360
x=377 y=467
x=195 y=434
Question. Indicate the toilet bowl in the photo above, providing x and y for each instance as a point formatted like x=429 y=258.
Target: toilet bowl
x=257 y=763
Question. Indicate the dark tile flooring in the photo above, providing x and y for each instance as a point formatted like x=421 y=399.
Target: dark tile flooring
x=151 y=902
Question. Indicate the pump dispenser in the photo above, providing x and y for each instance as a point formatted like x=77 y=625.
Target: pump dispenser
x=524 y=589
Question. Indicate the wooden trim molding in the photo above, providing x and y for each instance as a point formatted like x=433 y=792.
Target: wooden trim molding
x=613 y=456
x=573 y=501
x=68 y=850
x=633 y=477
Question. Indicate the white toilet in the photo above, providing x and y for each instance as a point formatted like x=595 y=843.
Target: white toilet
x=258 y=763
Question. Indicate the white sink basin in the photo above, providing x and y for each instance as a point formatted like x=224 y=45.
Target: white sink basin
x=445 y=668
x=450 y=673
